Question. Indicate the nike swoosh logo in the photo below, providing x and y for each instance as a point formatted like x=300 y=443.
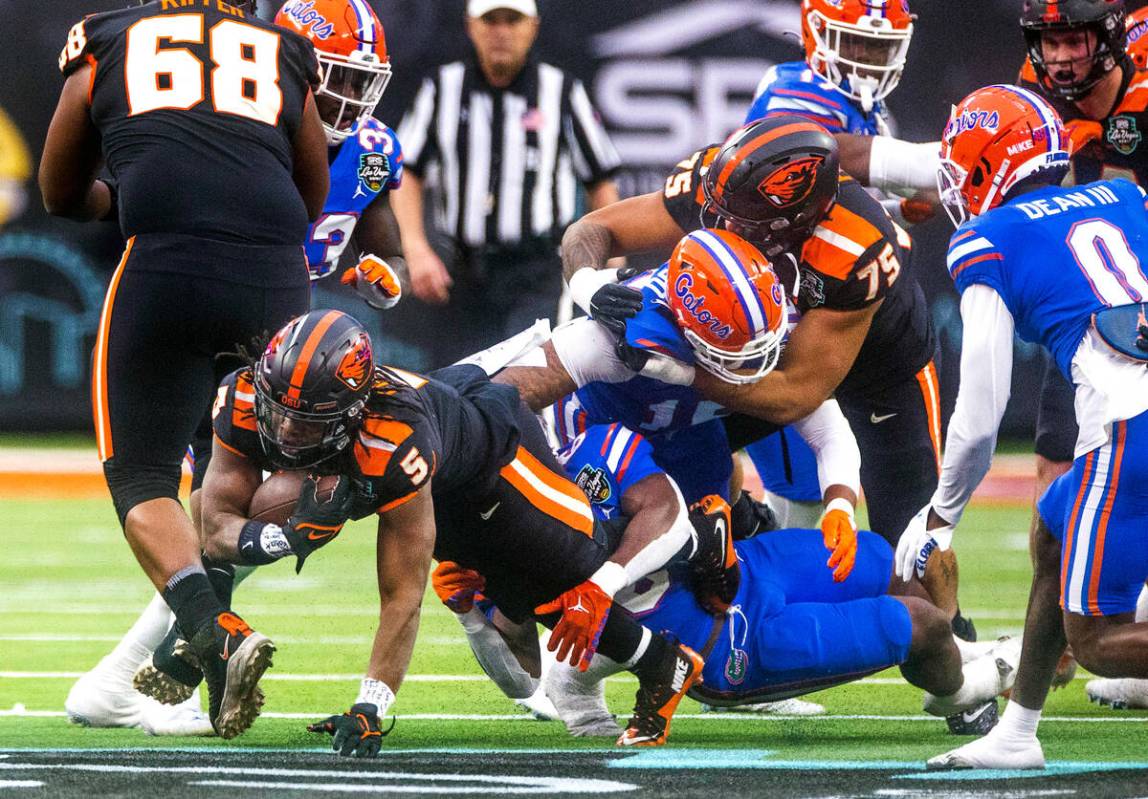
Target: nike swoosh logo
x=313 y=536
x=486 y=516
x=226 y=647
x=875 y=419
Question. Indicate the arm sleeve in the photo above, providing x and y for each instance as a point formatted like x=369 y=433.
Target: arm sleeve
x=495 y=657
x=415 y=131
x=594 y=155
x=986 y=376
x=588 y=353
x=828 y=434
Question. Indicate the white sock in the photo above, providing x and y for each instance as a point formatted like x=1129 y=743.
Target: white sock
x=1018 y=722
x=1142 y=605
x=141 y=640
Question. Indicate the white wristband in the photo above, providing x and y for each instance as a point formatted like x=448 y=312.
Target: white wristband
x=610 y=577
x=841 y=504
x=377 y=693
x=588 y=280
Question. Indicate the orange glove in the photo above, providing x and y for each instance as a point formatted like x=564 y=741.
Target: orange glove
x=917 y=210
x=1081 y=132
x=375 y=281
x=839 y=531
x=584 y=610
x=456 y=586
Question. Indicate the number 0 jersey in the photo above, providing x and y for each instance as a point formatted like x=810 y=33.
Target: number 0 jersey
x=454 y=425
x=197 y=106
x=363 y=167
x=854 y=258
x=1057 y=256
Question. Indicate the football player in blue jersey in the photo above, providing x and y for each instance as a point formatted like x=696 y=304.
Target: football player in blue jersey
x=366 y=163
x=1063 y=267
x=783 y=627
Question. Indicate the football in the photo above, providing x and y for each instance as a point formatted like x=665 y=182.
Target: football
x=276 y=496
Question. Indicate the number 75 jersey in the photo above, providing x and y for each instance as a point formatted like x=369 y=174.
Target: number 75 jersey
x=1056 y=256
x=197 y=105
x=366 y=165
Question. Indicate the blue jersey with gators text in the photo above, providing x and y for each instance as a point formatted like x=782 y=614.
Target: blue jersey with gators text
x=793 y=88
x=1056 y=256
x=366 y=164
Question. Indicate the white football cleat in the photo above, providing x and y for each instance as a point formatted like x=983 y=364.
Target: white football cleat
x=186 y=718
x=580 y=698
x=1125 y=693
x=100 y=699
x=539 y=706
x=986 y=677
x=991 y=752
x=782 y=707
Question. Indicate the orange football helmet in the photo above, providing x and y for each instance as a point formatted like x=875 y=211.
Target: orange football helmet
x=997 y=137
x=857 y=45
x=728 y=303
x=1137 y=27
x=352 y=52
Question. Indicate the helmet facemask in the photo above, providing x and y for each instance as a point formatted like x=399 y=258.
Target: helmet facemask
x=1103 y=54
x=349 y=92
x=294 y=439
x=748 y=363
x=862 y=60
x=951 y=178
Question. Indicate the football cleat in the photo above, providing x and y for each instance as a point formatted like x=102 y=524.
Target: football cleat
x=539 y=706
x=782 y=707
x=99 y=699
x=749 y=517
x=1125 y=693
x=579 y=698
x=991 y=751
x=977 y=721
x=658 y=696
x=232 y=657
x=166 y=676
x=715 y=573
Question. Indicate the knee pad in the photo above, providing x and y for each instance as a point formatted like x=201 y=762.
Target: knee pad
x=131 y=484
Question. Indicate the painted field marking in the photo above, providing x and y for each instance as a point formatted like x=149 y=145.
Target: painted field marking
x=483 y=783
x=293 y=640
x=21 y=784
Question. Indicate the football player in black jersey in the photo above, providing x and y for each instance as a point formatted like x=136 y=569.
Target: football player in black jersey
x=456 y=467
x=215 y=174
x=864 y=332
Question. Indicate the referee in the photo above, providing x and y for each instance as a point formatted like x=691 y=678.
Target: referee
x=511 y=137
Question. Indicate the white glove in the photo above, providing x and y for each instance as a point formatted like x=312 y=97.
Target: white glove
x=375 y=281
x=917 y=544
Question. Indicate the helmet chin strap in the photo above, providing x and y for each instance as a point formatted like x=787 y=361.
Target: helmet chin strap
x=865 y=89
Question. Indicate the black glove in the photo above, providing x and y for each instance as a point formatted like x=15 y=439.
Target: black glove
x=614 y=303
x=1142 y=339
x=356 y=732
x=315 y=523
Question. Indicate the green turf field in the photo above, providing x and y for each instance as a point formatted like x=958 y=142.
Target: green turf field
x=71 y=587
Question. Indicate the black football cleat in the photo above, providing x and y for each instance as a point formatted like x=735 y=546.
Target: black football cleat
x=964 y=628
x=715 y=573
x=977 y=721
x=166 y=676
x=232 y=657
x=750 y=517
x=658 y=696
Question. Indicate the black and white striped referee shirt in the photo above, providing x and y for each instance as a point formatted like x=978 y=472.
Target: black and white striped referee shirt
x=509 y=159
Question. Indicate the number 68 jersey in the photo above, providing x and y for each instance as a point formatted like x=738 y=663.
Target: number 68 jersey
x=198 y=94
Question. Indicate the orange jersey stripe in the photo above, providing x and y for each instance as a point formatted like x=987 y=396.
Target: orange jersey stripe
x=100 y=414
x=553 y=495
x=839 y=241
x=395 y=503
x=308 y=351
x=1102 y=528
x=227 y=446
x=1089 y=462
x=930 y=391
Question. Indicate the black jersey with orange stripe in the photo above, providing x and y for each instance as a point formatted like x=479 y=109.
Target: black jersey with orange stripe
x=177 y=85
x=856 y=257
x=453 y=426
x=1116 y=149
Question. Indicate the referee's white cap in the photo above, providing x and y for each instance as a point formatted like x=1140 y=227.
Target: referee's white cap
x=477 y=8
